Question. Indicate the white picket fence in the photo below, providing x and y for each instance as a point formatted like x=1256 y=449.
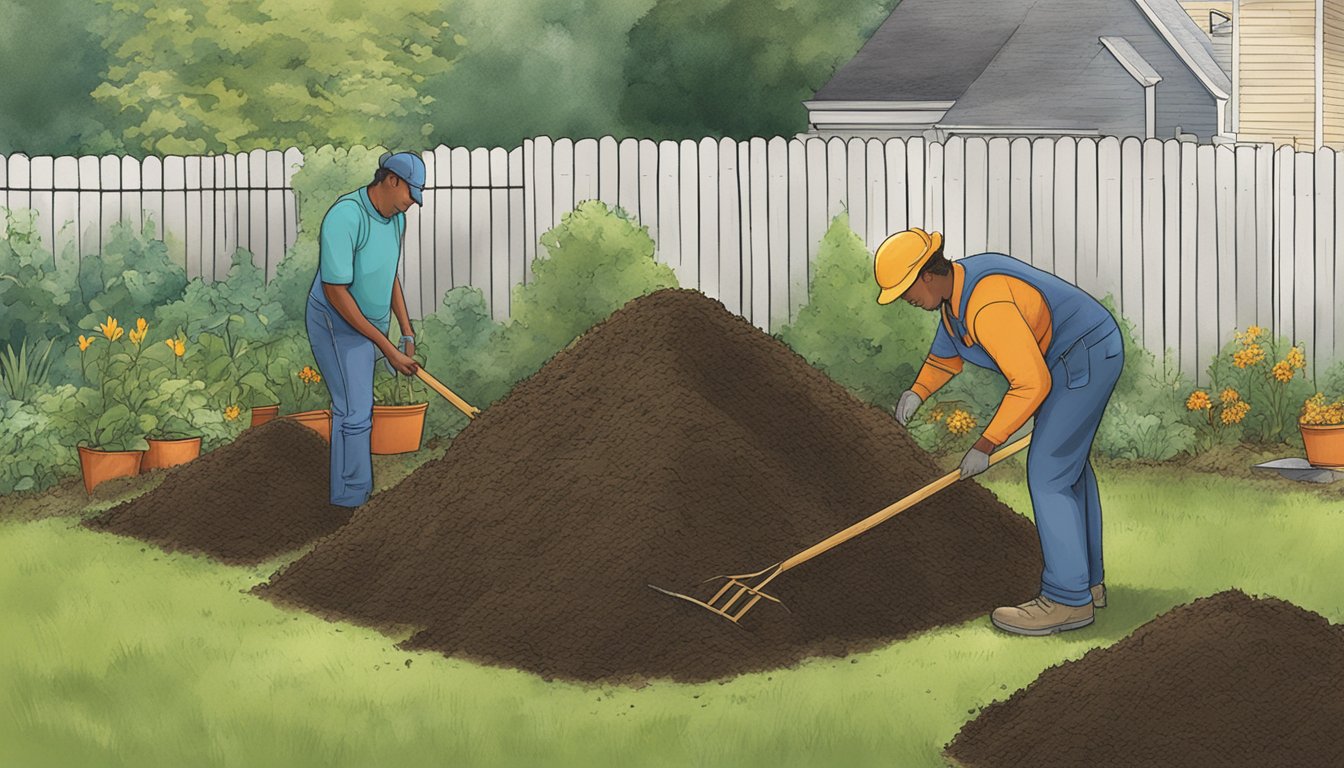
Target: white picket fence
x=1193 y=241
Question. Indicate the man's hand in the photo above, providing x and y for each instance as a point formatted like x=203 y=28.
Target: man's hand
x=402 y=362
x=906 y=406
x=409 y=349
x=975 y=462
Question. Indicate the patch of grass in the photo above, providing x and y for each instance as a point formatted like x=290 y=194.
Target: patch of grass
x=120 y=654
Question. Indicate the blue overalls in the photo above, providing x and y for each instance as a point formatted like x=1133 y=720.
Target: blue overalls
x=1084 y=356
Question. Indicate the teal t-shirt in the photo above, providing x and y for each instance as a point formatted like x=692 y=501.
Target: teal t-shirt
x=360 y=248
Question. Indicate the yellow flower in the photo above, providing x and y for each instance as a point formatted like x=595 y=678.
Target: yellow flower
x=1251 y=355
x=141 y=326
x=1284 y=371
x=1252 y=333
x=1234 y=413
x=1228 y=395
x=110 y=329
x=1297 y=358
x=177 y=345
x=232 y=412
x=960 y=422
x=937 y=414
x=309 y=375
x=1316 y=412
x=84 y=342
x=1198 y=401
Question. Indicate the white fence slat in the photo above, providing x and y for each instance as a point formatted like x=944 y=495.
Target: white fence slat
x=175 y=212
x=933 y=188
x=1019 y=200
x=998 y=197
x=1171 y=246
x=90 y=228
x=243 y=177
x=648 y=189
x=875 y=207
x=4 y=182
x=1065 y=210
x=459 y=198
x=608 y=171
x=209 y=241
x=57 y=212
x=1207 y=331
x=954 y=197
x=498 y=180
x=627 y=182
x=19 y=178
x=745 y=194
x=777 y=213
x=730 y=228
x=109 y=179
x=1131 y=231
x=1245 y=242
x=1085 y=241
x=1336 y=314
x=437 y=222
x=977 y=195
x=760 y=236
x=256 y=197
x=818 y=213
x=1225 y=199
x=131 y=183
x=914 y=166
x=1152 y=255
x=856 y=180
x=897 y=190
x=1265 y=202
x=799 y=247
x=1284 y=241
x=542 y=172
x=562 y=185
x=1191 y=364
x=481 y=273
x=1043 y=204
x=517 y=221
x=837 y=165
x=1326 y=303
x=708 y=168
x=229 y=220
x=669 y=205
x=194 y=242
x=585 y=170
x=293 y=163
x=1108 y=219
x=688 y=275
x=1304 y=253
x=529 y=213
x=275 y=210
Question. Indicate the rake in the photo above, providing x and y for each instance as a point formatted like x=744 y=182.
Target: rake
x=740 y=593
x=466 y=408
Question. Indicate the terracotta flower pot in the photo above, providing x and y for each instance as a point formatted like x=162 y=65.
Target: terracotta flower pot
x=169 y=453
x=318 y=421
x=98 y=466
x=264 y=413
x=397 y=428
x=1324 y=443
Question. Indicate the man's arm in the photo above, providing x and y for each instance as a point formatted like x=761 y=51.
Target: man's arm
x=339 y=297
x=1005 y=335
x=403 y=319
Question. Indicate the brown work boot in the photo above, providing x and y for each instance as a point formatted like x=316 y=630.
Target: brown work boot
x=1099 y=595
x=1042 y=616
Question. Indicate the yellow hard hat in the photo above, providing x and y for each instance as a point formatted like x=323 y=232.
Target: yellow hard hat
x=899 y=258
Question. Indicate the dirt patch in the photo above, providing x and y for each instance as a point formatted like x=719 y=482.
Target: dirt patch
x=262 y=495
x=671 y=443
x=1226 y=680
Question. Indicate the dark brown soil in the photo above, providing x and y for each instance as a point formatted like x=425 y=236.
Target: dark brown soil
x=1226 y=680
x=262 y=495
x=670 y=443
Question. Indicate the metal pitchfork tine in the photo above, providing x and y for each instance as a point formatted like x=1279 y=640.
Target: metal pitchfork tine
x=740 y=595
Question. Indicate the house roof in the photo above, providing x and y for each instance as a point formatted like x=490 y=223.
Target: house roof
x=927 y=50
x=1022 y=57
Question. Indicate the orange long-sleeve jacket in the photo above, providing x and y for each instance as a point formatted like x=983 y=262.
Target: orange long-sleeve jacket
x=1010 y=319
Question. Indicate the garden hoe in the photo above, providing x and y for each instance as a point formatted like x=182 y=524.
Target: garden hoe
x=743 y=591
x=448 y=394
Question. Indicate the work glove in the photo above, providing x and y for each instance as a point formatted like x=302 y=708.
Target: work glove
x=974 y=463
x=906 y=406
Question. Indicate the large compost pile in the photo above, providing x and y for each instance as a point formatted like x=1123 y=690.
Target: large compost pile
x=672 y=442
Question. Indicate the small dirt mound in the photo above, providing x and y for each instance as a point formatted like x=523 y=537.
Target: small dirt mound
x=672 y=442
x=262 y=495
x=1226 y=680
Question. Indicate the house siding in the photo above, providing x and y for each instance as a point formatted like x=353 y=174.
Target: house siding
x=1277 y=88
x=1199 y=11
x=1334 y=73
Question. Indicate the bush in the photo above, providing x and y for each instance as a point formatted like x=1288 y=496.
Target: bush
x=34 y=451
x=34 y=287
x=131 y=277
x=456 y=343
x=1256 y=391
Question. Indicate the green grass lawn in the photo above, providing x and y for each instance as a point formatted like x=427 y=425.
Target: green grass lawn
x=115 y=653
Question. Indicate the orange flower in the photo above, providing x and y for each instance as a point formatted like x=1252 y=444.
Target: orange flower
x=1228 y=395
x=960 y=422
x=1198 y=401
x=84 y=342
x=1297 y=358
x=110 y=329
x=1234 y=413
x=178 y=346
x=1251 y=355
x=1284 y=371
x=232 y=412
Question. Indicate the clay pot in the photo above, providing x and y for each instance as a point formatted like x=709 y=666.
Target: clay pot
x=264 y=413
x=98 y=466
x=169 y=453
x=1324 y=443
x=397 y=428
x=318 y=421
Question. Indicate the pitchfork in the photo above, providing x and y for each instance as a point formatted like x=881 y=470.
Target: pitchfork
x=739 y=595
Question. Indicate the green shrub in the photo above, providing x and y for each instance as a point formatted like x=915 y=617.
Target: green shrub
x=1263 y=377
x=457 y=345
x=132 y=276
x=34 y=450
x=34 y=288
x=25 y=373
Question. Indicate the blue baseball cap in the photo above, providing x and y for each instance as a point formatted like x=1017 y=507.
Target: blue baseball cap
x=409 y=168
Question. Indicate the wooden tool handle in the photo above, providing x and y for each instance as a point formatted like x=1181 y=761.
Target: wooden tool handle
x=891 y=511
x=448 y=394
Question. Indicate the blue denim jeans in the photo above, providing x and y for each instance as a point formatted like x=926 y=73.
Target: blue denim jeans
x=1059 y=473
x=345 y=358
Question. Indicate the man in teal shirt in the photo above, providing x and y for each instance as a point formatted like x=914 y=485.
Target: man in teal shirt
x=353 y=297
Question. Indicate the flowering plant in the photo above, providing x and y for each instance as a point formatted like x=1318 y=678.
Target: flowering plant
x=1316 y=412
x=1258 y=380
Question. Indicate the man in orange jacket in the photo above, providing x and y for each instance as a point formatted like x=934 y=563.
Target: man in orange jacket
x=1062 y=354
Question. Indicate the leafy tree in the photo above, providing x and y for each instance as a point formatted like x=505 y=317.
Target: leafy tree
x=210 y=75
x=738 y=68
